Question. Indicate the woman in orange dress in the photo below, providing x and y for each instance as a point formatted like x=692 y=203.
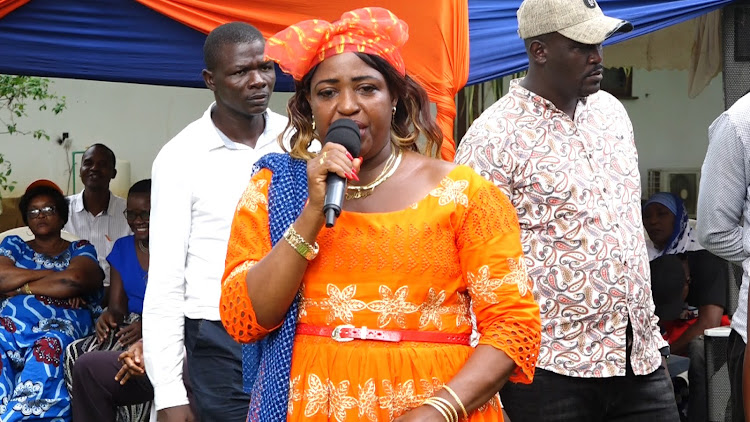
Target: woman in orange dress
x=377 y=310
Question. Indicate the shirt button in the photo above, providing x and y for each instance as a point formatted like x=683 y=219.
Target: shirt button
x=605 y=190
x=591 y=156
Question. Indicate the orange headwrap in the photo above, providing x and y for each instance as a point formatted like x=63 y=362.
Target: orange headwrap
x=372 y=30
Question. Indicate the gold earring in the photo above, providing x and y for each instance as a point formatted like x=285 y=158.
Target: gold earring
x=393 y=111
x=313 y=125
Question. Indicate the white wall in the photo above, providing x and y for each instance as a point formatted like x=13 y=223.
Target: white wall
x=671 y=130
x=134 y=120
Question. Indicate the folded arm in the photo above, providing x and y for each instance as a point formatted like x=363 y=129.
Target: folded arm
x=12 y=277
x=82 y=277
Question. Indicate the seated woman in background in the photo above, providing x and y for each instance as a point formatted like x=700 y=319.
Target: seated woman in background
x=37 y=320
x=377 y=326
x=119 y=326
x=689 y=287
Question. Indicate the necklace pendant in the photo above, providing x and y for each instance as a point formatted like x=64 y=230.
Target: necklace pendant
x=357 y=194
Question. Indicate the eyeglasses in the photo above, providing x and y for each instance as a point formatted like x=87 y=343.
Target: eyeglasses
x=44 y=211
x=133 y=215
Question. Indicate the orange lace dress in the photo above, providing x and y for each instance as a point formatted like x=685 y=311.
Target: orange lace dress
x=422 y=268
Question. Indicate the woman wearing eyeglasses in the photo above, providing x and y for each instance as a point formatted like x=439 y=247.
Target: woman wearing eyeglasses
x=119 y=326
x=43 y=281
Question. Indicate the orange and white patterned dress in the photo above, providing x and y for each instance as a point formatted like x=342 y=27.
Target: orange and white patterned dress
x=422 y=268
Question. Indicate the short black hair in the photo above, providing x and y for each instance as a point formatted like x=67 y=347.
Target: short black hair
x=229 y=33
x=61 y=203
x=544 y=38
x=141 y=186
x=109 y=152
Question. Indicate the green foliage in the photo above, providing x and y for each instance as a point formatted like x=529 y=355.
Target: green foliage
x=17 y=95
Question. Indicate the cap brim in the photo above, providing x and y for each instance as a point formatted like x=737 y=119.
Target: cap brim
x=595 y=31
x=44 y=182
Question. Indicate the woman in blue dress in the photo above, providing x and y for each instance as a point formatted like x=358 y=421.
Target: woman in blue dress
x=119 y=326
x=48 y=283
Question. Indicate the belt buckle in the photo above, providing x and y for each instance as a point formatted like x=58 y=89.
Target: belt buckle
x=336 y=333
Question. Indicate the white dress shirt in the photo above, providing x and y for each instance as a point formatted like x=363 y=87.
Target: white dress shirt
x=101 y=230
x=198 y=178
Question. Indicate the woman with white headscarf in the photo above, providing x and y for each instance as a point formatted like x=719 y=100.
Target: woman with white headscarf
x=689 y=287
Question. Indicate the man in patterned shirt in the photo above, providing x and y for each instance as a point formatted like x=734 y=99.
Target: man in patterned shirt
x=563 y=152
x=724 y=225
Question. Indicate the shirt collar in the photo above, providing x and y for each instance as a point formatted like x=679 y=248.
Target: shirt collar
x=524 y=94
x=76 y=202
x=223 y=140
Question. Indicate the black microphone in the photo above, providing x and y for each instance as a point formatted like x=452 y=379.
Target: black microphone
x=343 y=132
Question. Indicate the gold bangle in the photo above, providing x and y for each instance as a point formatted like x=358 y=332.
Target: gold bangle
x=308 y=251
x=451 y=409
x=455 y=397
x=439 y=409
x=26 y=289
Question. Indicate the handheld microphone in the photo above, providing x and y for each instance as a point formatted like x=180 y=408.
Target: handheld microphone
x=343 y=132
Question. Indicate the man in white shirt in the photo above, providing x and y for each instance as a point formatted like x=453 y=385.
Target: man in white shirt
x=198 y=178
x=96 y=214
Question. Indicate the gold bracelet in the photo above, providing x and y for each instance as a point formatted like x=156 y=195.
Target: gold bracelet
x=439 y=409
x=448 y=406
x=308 y=251
x=26 y=289
x=455 y=397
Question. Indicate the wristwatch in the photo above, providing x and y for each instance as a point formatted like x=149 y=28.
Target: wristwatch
x=308 y=251
x=665 y=351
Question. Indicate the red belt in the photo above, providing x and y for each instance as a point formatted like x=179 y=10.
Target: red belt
x=344 y=333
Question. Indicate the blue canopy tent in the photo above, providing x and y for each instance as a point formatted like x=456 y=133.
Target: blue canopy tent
x=125 y=41
x=496 y=50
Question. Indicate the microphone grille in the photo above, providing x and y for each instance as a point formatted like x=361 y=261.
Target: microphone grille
x=345 y=132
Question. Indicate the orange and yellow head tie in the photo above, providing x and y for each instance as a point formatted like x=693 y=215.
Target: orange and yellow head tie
x=371 y=30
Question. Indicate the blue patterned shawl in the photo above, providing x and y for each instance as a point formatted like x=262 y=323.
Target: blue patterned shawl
x=266 y=364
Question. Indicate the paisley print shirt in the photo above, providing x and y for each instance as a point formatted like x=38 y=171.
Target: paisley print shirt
x=576 y=188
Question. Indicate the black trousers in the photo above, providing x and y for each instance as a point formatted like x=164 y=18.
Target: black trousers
x=735 y=358
x=215 y=367
x=97 y=394
x=558 y=398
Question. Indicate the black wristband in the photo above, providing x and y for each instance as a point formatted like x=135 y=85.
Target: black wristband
x=665 y=351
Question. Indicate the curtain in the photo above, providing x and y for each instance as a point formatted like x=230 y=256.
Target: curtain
x=694 y=45
x=436 y=54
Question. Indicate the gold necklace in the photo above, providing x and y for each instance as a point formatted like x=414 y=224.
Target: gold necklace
x=143 y=249
x=357 y=192
x=386 y=167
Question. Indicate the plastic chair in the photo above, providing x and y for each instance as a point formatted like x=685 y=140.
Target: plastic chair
x=26 y=234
